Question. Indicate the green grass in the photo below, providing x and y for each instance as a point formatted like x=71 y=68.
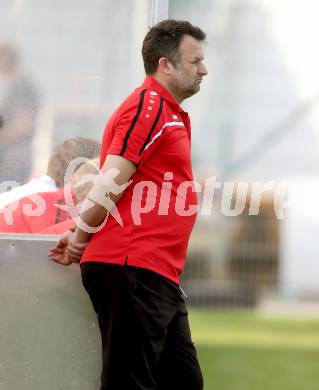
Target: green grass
x=241 y=351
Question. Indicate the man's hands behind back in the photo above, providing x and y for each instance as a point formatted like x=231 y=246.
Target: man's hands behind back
x=67 y=250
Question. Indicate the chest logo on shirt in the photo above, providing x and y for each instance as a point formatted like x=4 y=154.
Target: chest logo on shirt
x=153 y=93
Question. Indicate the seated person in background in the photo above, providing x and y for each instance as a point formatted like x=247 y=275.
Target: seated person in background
x=79 y=191
x=57 y=165
x=33 y=213
x=39 y=210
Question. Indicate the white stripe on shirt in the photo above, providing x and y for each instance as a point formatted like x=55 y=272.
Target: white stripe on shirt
x=167 y=124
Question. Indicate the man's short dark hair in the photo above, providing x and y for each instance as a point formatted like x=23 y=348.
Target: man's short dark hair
x=163 y=40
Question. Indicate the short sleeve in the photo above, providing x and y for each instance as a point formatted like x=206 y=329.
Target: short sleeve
x=136 y=127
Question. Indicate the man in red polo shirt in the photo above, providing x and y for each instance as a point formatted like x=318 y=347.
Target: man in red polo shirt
x=135 y=240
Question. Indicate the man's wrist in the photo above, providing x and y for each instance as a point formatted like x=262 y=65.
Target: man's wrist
x=81 y=236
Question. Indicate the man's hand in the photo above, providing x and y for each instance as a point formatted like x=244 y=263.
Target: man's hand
x=58 y=252
x=75 y=249
x=67 y=250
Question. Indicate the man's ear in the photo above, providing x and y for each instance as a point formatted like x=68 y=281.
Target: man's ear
x=165 y=66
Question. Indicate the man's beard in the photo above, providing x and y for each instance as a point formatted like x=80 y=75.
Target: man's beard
x=184 y=92
x=192 y=90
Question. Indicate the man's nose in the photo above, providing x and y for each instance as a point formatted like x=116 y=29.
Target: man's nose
x=203 y=70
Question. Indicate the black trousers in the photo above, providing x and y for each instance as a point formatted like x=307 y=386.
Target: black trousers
x=143 y=320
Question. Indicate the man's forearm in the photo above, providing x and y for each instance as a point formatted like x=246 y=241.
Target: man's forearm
x=105 y=193
x=92 y=217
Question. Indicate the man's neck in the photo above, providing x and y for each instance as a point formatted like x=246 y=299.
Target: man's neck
x=166 y=86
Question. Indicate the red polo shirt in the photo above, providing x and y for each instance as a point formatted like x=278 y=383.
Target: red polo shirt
x=158 y=212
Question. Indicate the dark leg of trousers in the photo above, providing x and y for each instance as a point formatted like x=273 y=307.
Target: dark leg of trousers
x=179 y=368
x=146 y=341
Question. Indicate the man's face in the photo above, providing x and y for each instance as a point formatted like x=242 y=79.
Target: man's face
x=188 y=73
